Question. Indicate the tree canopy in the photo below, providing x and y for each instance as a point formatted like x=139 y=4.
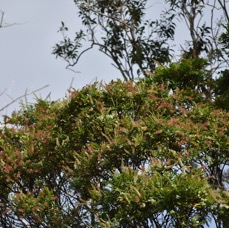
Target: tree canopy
x=147 y=151
x=125 y=154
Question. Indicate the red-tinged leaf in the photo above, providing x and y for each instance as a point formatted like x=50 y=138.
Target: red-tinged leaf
x=137 y=198
x=8 y=168
x=22 y=210
x=8 y=179
x=99 y=156
x=19 y=174
x=36 y=208
x=5 y=211
x=158 y=132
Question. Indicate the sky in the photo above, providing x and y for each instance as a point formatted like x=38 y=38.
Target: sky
x=26 y=62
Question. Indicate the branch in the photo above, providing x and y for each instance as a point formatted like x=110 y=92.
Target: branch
x=25 y=95
x=2 y=92
x=2 y=21
x=224 y=7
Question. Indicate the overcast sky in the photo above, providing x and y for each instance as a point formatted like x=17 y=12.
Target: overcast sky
x=26 y=62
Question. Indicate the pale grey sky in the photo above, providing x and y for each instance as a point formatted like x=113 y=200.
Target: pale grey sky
x=26 y=61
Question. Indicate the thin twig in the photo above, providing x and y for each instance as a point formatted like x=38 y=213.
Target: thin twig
x=3 y=92
x=2 y=21
x=25 y=95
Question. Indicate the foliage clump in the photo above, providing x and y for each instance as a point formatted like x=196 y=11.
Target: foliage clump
x=124 y=154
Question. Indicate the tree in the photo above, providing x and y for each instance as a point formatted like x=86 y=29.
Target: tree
x=209 y=40
x=143 y=152
x=125 y=154
x=222 y=83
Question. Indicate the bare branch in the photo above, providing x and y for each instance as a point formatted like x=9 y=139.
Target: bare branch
x=224 y=7
x=2 y=24
x=2 y=92
x=25 y=95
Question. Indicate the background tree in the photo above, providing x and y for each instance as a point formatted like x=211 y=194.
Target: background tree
x=118 y=29
x=209 y=38
x=222 y=83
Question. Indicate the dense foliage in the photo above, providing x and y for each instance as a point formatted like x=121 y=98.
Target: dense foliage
x=125 y=154
x=146 y=152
